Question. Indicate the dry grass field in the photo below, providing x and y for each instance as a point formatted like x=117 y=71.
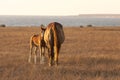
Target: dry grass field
x=87 y=54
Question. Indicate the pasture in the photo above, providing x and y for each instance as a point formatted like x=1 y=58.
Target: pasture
x=91 y=53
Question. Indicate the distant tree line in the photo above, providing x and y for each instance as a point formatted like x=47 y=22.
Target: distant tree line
x=89 y=25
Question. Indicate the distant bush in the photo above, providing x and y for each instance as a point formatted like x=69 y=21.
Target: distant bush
x=2 y=25
x=89 y=25
x=81 y=26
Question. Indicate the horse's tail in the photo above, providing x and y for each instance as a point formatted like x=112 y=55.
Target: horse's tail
x=55 y=35
x=54 y=29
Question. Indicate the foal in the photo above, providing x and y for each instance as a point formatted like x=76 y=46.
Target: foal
x=37 y=42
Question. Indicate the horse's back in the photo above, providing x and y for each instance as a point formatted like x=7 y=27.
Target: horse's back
x=35 y=39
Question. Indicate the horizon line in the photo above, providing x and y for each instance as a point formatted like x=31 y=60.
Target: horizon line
x=97 y=14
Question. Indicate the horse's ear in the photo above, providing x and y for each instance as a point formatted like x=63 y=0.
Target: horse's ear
x=43 y=28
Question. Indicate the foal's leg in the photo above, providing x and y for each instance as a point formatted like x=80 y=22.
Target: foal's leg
x=41 y=56
x=30 y=54
x=44 y=54
x=35 y=55
x=40 y=51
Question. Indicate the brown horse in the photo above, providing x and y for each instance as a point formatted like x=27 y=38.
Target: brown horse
x=37 y=42
x=54 y=37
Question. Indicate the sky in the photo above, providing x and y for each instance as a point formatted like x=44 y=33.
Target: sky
x=59 y=7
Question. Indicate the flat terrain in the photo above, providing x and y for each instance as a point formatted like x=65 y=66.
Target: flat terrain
x=87 y=54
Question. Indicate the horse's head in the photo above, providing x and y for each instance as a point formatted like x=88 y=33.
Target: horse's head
x=42 y=31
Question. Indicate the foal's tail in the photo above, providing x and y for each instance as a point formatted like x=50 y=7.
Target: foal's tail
x=31 y=41
x=30 y=53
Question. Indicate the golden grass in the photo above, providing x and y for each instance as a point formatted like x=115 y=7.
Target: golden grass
x=86 y=54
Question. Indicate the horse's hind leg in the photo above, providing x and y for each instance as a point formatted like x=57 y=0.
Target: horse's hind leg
x=50 y=57
x=56 y=53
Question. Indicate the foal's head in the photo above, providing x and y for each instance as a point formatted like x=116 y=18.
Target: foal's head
x=42 y=31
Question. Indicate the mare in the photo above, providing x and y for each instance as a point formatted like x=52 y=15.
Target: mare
x=54 y=37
